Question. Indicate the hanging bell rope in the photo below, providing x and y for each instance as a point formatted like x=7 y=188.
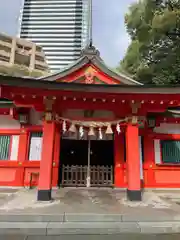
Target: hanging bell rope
x=72 y=128
x=94 y=124
x=100 y=134
x=81 y=131
x=64 y=127
x=118 y=128
x=109 y=129
x=91 y=132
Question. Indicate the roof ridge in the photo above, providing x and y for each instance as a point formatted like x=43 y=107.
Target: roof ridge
x=90 y=54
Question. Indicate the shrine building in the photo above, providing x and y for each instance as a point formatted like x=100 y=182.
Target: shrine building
x=88 y=126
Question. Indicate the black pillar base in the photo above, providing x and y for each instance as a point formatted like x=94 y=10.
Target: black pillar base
x=44 y=195
x=134 y=195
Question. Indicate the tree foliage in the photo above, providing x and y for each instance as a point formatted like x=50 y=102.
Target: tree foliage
x=154 y=53
x=20 y=71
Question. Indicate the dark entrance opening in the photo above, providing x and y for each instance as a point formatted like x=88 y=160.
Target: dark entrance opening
x=102 y=163
x=73 y=162
x=86 y=163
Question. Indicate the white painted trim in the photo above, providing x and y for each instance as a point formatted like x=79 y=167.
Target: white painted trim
x=157 y=151
x=165 y=189
x=35 y=149
x=9 y=187
x=141 y=158
x=14 y=148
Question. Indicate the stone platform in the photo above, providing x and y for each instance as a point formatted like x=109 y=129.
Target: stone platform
x=88 y=211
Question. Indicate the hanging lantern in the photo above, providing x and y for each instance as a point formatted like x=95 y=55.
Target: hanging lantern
x=118 y=128
x=72 y=128
x=81 y=131
x=109 y=129
x=91 y=132
x=64 y=127
x=100 y=134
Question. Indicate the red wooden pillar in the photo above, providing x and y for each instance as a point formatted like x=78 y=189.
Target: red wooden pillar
x=118 y=160
x=133 y=163
x=22 y=156
x=149 y=160
x=56 y=158
x=45 y=176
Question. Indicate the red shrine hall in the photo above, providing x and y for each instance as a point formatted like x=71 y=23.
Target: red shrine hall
x=88 y=126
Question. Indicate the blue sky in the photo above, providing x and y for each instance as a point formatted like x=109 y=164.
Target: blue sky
x=109 y=33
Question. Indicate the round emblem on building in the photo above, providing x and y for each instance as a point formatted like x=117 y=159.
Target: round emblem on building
x=89 y=75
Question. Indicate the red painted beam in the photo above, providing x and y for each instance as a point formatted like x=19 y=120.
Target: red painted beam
x=167 y=120
x=15 y=164
x=68 y=104
x=10 y=131
x=33 y=128
x=20 y=94
x=8 y=91
x=166 y=136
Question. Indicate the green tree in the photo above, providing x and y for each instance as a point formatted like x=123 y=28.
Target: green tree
x=154 y=53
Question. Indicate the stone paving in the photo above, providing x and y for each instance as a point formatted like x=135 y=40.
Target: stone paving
x=88 y=211
x=96 y=201
x=96 y=237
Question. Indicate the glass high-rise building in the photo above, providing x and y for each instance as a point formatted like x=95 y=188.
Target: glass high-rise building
x=61 y=27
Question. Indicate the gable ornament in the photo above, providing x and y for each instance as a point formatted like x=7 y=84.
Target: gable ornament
x=89 y=75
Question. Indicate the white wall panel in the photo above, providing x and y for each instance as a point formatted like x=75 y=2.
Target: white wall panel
x=35 y=149
x=157 y=151
x=168 y=128
x=14 y=148
x=6 y=122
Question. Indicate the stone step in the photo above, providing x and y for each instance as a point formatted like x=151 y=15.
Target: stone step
x=57 y=228
x=87 y=217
